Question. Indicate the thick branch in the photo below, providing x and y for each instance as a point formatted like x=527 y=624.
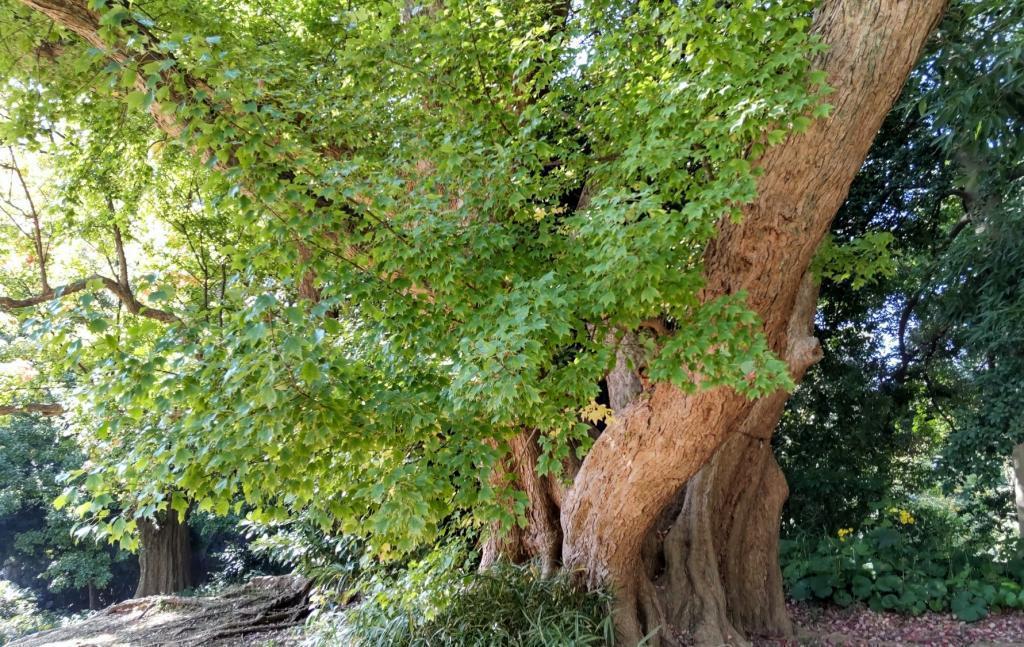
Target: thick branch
x=126 y=297
x=76 y=16
x=43 y=409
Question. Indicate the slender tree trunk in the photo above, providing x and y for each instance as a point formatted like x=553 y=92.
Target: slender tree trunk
x=541 y=537
x=165 y=556
x=638 y=465
x=1018 y=485
x=94 y=600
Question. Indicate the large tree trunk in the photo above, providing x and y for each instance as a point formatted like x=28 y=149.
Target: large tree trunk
x=721 y=580
x=638 y=465
x=165 y=556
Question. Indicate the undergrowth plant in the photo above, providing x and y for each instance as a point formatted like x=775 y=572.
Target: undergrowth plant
x=442 y=599
x=908 y=560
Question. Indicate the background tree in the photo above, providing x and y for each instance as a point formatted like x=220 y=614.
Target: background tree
x=39 y=551
x=911 y=370
x=83 y=208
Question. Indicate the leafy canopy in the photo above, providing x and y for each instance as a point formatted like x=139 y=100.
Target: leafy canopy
x=436 y=218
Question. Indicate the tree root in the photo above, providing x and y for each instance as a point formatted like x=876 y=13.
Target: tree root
x=262 y=606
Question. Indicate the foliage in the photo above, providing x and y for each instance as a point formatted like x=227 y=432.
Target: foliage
x=335 y=564
x=859 y=261
x=920 y=380
x=846 y=440
x=384 y=313
x=223 y=553
x=906 y=559
x=971 y=300
x=37 y=547
x=383 y=238
x=442 y=600
x=19 y=615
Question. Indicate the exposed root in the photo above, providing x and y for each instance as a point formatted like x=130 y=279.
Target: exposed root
x=263 y=607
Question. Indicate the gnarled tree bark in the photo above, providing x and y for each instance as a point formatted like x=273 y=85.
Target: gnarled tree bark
x=541 y=538
x=721 y=581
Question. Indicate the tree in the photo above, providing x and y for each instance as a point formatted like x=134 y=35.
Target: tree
x=945 y=382
x=45 y=212
x=461 y=220
x=165 y=556
x=38 y=549
x=958 y=326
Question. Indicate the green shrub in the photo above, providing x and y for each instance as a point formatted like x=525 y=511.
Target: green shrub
x=333 y=562
x=905 y=560
x=19 y=615
x=442 y=600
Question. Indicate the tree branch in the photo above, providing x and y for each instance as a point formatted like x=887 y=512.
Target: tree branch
x=122 y=260
x=40 y=408
x=33 y=214
x=133 y=305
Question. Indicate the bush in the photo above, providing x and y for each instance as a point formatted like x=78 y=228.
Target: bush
x=223 y=552
x=442 y=600
x=19 y=615
x=906 y=561
x=333 y=562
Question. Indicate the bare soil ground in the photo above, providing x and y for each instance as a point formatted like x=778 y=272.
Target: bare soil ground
x=267 y=611
x=831 y=625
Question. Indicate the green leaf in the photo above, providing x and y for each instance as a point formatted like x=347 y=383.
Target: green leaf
x=968 y=607
x=310 y=372
x=256 y=332
x=889 y=582
x=180 y=505
x=137 y=99
x=861 y=587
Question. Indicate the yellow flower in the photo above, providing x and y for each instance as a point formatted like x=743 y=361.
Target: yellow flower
x=906 y=518
x=844 y=533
